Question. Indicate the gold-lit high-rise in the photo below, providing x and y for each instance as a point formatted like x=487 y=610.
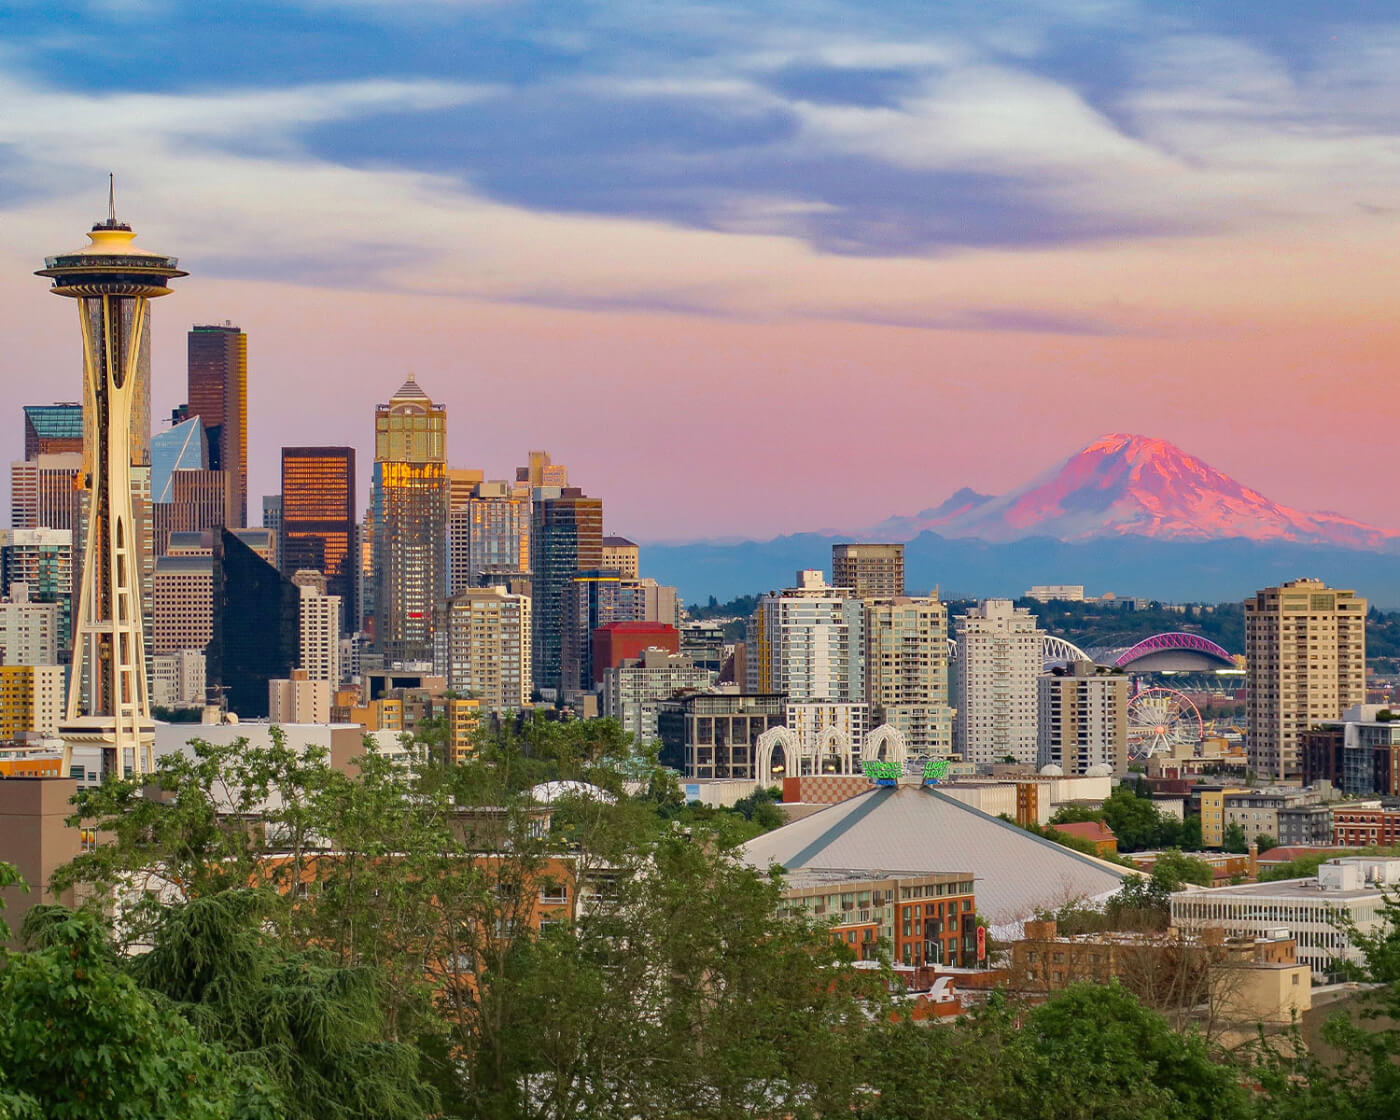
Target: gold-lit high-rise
x=409 y=499
x=113 y=283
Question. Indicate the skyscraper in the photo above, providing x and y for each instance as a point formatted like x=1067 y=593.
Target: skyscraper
x=999 y=661
x=108 y=703
x=872 y=571
x=186 y=496
x=218 y=394
x=316 y=520
x=52 y=429
x=409 y=503
x=42 y=560
x=1305 y=653
x=256 y=626
x=566 y=538
x=488 y=533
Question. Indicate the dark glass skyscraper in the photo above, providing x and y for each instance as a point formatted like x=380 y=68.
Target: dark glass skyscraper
x=317 y=528
x=566 y=538
x=257 y=626
x=218 y=392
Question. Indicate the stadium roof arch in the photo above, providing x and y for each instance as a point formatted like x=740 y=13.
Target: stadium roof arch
x=1173 y=652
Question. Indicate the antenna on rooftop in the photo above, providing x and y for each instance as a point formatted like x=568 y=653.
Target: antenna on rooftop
x=111 y=199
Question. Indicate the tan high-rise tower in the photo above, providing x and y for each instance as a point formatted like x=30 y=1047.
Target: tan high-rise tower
x=872 y=571
x=410 y=499
x=113 y=283
x=1305 y=644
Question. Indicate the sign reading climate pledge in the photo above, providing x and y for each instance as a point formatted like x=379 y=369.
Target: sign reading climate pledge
x=935 y=770
x=886 y=773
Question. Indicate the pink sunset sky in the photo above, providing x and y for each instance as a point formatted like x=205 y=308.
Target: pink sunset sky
x=771 y=304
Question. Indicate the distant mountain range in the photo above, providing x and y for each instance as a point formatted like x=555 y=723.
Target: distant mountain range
x=1126 y=513
x=1125 y=485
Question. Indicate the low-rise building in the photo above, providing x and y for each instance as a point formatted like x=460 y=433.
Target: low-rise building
x=1256 y=810
x=1255 y=979
x=1359 y=753
x=1307 y=825
x=918 y=918
x=631 y=690
x=1353 y=888
x=299 y=699
x=715 y=735
x=1364 y=826
x=31 y=699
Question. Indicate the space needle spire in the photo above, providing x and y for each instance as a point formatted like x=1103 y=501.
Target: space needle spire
x=113 y=283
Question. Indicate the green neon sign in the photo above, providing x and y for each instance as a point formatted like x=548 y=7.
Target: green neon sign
x=881 y=771
x=935 y=769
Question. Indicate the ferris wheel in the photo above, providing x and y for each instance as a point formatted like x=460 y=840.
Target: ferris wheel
x=1160 y=719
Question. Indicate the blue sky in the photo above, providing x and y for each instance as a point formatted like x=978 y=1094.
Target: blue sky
x=1043 y=190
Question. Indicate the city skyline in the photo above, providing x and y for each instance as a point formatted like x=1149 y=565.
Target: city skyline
x=1119 y=211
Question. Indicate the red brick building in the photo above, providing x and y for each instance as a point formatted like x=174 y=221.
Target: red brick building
x=618 y=641
x=1362 y=828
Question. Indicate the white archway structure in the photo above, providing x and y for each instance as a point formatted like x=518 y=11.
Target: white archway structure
x=763 y=753
x=891 y=739
x=832 y=742
x=1058 y=651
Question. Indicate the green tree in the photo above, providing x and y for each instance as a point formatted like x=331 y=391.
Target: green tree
x=1173 y=870
x=1265 y=842
x=1235 y=840
x=319 y=1030
x=80 y=1039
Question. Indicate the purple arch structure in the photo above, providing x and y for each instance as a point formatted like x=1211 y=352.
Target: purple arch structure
x=1165 y=643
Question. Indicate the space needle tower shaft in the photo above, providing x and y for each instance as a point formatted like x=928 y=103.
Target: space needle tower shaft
x=112 y=283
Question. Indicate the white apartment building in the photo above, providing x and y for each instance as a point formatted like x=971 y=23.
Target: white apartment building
x=631 y=690
x=999 y=662
x=1049 y=592
x=906 y=671
x=178 y=679
x=1082 y=719
x=483 y=646
x=808 y=642
x=29 y=632
x=1354 y=886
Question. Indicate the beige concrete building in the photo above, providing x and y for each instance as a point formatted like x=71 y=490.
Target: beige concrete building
x=872 y=571
x=183 y=615
x=31 y=699
x=632 y=690
x=1305 y=646
x=621 y=556
x=319 y=620
x=36 y=837
x=906 y=670
x=299 y=699
x=1082 y=719
x=808 y=642
x=483 y=647
x=178 y=679
x=29 y=631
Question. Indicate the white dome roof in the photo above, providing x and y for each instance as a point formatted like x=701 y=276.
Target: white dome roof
x=546 y=793
x=1050 y=770
x=1099 y=770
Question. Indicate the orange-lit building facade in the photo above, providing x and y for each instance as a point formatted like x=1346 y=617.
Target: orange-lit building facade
x=318 y=521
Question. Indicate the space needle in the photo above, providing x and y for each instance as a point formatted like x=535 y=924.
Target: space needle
x=113 y=283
